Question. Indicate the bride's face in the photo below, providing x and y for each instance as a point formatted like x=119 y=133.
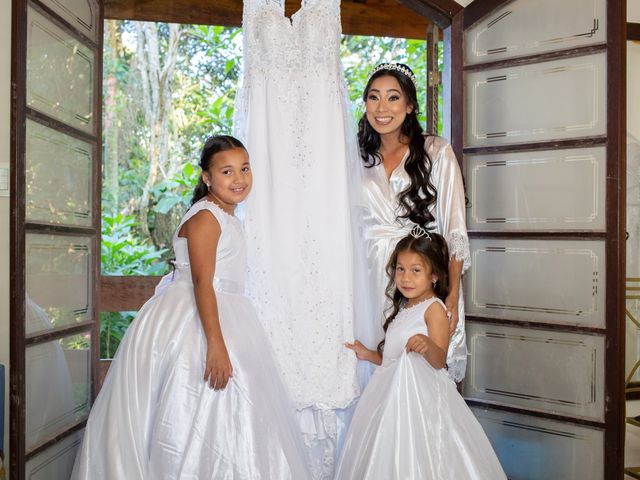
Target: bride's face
x=387 y=105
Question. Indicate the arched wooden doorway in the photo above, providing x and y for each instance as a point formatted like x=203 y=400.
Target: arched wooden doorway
x=560 y=413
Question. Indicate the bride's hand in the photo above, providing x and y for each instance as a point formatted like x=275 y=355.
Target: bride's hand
x=218 y=367
x=451 y=302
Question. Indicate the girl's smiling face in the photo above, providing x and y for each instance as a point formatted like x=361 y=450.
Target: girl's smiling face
x=414 y=277
x=386 y=105
x=229 y=178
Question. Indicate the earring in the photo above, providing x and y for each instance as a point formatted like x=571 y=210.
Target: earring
x=434 y=281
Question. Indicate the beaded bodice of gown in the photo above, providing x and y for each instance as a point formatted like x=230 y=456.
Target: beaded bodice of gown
x=297 y=49
x=293 y=115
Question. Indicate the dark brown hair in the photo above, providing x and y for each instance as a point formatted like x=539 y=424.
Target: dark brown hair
x=213 y=145
x=434 y=251
x=420 y=195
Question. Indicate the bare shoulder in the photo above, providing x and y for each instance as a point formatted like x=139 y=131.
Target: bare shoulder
x=202 y=222
x=435 y=312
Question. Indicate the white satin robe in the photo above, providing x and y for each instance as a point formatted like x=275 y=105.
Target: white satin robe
x=383 y=229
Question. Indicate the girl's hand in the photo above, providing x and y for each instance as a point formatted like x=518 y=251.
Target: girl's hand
x=419 y=343
x=362 y=352
x=451 y=303
x=217 y=370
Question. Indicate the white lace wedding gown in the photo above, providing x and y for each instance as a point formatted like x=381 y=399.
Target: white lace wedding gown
x=156 y=419
x=411 y=423
x=294 y=117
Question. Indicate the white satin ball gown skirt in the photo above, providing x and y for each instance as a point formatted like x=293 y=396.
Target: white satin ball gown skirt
x=412 y=424
x=156 y=418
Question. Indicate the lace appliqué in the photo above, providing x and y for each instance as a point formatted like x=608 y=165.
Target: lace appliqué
x=459 y=248
x=456 y=368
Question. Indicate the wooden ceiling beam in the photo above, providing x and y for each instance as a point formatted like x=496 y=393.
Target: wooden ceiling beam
x=386 y=18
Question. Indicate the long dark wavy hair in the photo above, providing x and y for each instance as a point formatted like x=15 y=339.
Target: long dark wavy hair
x=213 y=145
x=434 y=252
x=418 y=197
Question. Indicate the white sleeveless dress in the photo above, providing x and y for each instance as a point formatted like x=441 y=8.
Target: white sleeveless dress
x=155 y=418
x=411 y=423
x=294 y=117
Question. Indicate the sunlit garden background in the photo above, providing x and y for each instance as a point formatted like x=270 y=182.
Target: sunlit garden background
x=167 y=87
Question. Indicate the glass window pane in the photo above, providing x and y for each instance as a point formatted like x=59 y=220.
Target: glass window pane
x=56 y=462
x=532 y=448
x=527 y=28
x=548 y=370
x=58 y=281
x=58 y=177
x=82 y=14
x=58 y=386
x=552 y=281
x=538 y=102
x=542 y=190
x=59 y=73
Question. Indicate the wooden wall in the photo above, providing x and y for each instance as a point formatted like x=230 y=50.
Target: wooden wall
x=359 y=17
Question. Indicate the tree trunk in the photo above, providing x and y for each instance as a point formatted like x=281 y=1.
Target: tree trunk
x=110 y=185
x=156 y=74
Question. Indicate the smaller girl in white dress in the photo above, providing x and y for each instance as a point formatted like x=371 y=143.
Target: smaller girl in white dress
x=194 y=391
x=411 y=422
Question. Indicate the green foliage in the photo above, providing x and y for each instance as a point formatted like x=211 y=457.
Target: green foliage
x=113 y=326
x=360 y=55
x=124 y=253
x=177 y=190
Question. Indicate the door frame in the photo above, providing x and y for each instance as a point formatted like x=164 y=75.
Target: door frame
x=19 y=226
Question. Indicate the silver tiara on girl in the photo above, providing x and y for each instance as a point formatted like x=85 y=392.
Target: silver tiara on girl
x=417 y=231
x=398 y=68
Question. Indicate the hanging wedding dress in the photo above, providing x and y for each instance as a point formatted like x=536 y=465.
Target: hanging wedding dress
x=293 y=116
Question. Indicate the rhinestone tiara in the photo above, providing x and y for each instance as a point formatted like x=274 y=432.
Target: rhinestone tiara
x=398 y=68
x=417 y=231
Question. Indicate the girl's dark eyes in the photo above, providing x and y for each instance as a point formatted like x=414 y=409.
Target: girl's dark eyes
x=246 y=169
x=394 y=98
x=372 y=97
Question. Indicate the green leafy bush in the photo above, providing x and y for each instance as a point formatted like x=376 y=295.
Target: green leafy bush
x=125 y=253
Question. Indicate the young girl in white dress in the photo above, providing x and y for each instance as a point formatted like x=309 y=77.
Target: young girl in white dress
x=194 y=391
x=411 y=422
